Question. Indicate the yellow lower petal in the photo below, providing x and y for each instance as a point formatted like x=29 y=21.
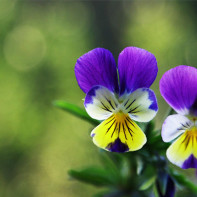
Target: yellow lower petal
x=118 y=134
x=183 y=149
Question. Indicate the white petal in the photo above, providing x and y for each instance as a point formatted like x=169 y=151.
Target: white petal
x=174 y=126
x=141 y=105
x=100 y=103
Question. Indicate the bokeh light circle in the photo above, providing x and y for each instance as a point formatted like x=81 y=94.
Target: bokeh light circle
x=24 y=47
x=6 y=8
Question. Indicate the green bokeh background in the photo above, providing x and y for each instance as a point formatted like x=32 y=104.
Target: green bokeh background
x=40 y=42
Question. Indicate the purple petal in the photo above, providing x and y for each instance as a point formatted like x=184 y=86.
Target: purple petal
x=178 y=86
x=191 y=162
x=117 y=146
x=97 y=67
x=137 y=69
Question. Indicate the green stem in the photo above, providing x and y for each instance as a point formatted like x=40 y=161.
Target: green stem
x=158 y=189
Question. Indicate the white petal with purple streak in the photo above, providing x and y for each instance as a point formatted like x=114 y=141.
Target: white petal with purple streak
x=141 y=105
x=100 y=103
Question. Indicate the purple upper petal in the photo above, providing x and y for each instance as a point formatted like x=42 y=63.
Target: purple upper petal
x=137 y=69
x=97 y=67
x=178 y=86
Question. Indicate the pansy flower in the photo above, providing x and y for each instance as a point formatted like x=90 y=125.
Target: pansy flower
x=178 y=86
x=118 y=95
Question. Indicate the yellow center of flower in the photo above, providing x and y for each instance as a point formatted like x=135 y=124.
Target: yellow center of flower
x=192 y=132
x=120 y=116
x=184 y=147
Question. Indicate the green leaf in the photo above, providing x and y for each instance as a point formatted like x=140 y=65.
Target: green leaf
x=183 y=181
x=140 y=165
x=100 y=194
x=125 y=170
x=93 y=175
x=109 y=162
x=148 y=183
x=149 y=128
x=110 y=193
x=147 y=177
x=75 y=110
x=162 y=180
x=157 y=143
x=156 y=194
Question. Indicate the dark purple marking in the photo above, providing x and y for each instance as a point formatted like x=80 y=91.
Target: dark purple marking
x=117 y=146
x=91 y=94
x=193 y=109
x=93 y=134
x=152 y=97
x=191 y=162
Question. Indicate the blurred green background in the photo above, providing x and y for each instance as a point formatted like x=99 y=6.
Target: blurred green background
x=40 y=42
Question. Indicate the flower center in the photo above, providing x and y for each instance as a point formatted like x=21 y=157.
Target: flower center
x=120 y=116
x=192 y=132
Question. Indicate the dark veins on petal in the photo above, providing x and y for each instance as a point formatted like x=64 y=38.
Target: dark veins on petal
x=184 y=127
x=129 y=104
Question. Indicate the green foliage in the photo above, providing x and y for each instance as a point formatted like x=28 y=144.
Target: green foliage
x=101 y=194
x=183 y=181
x=147 y=183
x=128 y=174
x=162 y=180
x=40 y=43
x=131 y=174
x=94 y=175
x=75 y=110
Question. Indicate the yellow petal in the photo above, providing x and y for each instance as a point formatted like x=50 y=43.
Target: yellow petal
x=183 y=152
x=118 y=134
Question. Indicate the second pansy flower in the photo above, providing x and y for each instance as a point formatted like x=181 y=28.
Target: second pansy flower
x=118 y=95
x=178 y=86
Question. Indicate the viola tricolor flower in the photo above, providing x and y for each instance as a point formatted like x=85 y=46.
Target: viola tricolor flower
x=118 y=95
x=178 y=86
